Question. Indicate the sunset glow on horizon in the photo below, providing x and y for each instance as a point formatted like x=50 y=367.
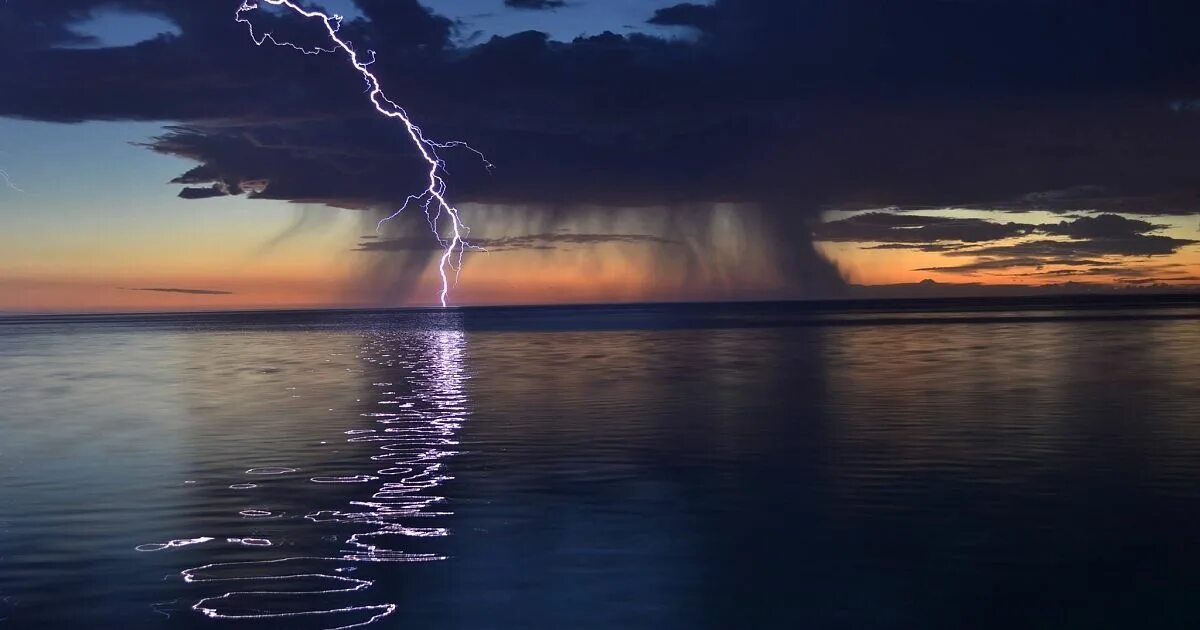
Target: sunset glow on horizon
x=161 y=253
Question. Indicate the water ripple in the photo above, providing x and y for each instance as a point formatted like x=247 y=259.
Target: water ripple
x=414 y=439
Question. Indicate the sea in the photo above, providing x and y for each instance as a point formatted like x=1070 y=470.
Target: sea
x=1017 y=463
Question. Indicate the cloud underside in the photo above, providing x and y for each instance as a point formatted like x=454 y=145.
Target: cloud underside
x=785 y=107
x=1085 y=246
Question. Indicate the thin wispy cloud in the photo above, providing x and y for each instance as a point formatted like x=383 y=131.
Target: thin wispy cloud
x=180 y=290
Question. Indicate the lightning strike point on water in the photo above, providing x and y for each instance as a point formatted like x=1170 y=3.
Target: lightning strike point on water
x=433 y=198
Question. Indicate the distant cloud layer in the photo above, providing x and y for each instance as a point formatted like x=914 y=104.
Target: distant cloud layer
x=185 y=291
x=1093 y=242
x=881 y=227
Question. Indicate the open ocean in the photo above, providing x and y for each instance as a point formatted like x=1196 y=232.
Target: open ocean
x=934 y=464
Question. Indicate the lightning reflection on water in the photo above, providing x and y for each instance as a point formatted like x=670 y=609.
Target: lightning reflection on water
x=421 y=410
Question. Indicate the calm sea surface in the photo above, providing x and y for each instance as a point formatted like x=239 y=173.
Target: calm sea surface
x=738 y=466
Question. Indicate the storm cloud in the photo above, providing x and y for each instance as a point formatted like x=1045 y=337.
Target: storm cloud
x=782 y=107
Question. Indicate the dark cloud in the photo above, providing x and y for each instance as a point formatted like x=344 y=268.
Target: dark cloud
x=1150 y=200
x=191 y=192
x=987 y=264
x=970 y=290
x=1104 y=226
x=405 y=24
x=1137 y=276
x=698 y=16
x=935 y=248
x=187 y=291
x=536 y=5
x=769 y=103
x=1138 y=245
x=546 y=241
x=1159 y=200
x=413 y=243
x=1096 y=271
x=557 y=240
x=881 y=227
x=779 y=106
x=1160 y=282
x=994 y=264
x=1087 y=237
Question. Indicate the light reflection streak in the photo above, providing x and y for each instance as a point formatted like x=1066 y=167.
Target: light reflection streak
x=172 y=544
x=414 y=437
x=270 y=470
x=211 y=573
x=352 y=479
x=250 y=542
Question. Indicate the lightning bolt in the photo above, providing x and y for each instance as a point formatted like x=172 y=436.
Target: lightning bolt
x=433 y=198
x=8 y=181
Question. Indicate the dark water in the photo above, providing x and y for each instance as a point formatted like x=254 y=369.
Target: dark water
x=753 y=466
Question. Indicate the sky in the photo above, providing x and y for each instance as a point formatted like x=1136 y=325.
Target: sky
x=643 y=150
